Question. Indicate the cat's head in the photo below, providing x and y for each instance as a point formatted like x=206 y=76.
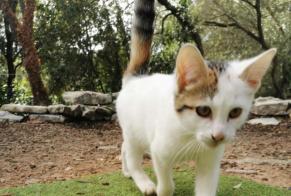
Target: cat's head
x=213 y=99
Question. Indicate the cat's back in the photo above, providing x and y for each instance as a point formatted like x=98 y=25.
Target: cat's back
x=146 y=87
x=142 y=99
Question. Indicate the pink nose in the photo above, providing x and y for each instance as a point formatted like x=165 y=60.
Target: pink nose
x=217 y=136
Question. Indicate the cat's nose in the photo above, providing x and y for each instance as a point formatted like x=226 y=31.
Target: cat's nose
x=217 y=136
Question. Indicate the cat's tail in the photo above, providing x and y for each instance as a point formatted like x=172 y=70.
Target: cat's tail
x=141 y=36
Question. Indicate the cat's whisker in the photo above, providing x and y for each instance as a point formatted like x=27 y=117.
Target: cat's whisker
x=176 y=153
x=181 y=152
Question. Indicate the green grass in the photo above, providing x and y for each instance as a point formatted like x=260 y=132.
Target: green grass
x=114 y=184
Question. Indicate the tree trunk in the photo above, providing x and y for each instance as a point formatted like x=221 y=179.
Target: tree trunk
x=9 y=51
x=278 y=91
x=9 y=59
x=31 y=62
x=32 y=67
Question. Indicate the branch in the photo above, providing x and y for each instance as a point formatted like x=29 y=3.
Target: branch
x=259 y=24
x=16 y=66
x=184 y=22
x=163 y=21
x=16 y=55
x=248 y=2
x=277 y=22
x=218 y=24
x=238 y=25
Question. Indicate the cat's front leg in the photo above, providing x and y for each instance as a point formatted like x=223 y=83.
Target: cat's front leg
x=207 y=175
x=163 y=171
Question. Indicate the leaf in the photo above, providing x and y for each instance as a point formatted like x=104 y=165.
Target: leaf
x=237 y=186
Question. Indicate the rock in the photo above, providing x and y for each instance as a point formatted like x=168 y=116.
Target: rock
x=97 y=112
x=74 y=111
x=48 y=118
x=241 y=171
x=16 y=108
x=115 y=95
x=264 y=121
x=89 y=114
x=50 y=165
x=109 y=147
x=264 y=161
x=68 y=168
x=8 y=117
x=31 y=181
x=114 y=118
x=59 y=109
x=270 y=106
x=86 y=98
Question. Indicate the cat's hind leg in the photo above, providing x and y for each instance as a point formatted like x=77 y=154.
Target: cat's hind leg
x=133 y=156
x=124 y=163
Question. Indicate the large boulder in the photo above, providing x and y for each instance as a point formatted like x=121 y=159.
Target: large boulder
x=16 y=108
x=86 y=98
x=270 y=106
x=8 y=117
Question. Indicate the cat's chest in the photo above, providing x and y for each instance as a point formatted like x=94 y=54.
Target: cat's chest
x=186 y=150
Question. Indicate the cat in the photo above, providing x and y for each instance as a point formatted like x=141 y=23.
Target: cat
x=187 y=115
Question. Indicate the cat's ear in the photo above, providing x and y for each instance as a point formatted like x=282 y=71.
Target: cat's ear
x=254 y=72
x=191 y=69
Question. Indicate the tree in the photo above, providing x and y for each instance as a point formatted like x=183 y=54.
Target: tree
x=259 y=22
x=31 y=62
x=184 y=21
x=84 y=51
x=10 y=50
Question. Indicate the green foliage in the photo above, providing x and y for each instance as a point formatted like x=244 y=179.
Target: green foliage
x=84 y=45
x=231 y=42
x=115 y=184
x=81 y=45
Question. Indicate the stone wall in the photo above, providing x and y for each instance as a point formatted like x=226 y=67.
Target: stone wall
x=79 y=105
x=270 y=110
x=93 y=106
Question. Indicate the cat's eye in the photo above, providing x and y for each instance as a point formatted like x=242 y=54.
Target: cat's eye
x=234 y=113
x=203 y=111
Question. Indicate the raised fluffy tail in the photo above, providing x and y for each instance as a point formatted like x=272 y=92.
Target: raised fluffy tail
x=141 y=36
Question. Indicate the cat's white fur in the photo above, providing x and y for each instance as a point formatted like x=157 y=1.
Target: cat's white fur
x=150 y=124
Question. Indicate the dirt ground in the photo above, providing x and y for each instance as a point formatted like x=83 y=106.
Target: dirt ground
x=32 y=152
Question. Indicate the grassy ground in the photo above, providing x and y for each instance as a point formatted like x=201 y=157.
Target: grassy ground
x=115 y=184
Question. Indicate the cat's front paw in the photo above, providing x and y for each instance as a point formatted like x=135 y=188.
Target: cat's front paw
x=165 y=191
x=148 y=189
x=126 y=174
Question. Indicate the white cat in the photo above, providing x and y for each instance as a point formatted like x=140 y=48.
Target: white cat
x=189 y=114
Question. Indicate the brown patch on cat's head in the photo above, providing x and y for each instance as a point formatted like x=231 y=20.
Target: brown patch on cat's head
x=195 y=80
